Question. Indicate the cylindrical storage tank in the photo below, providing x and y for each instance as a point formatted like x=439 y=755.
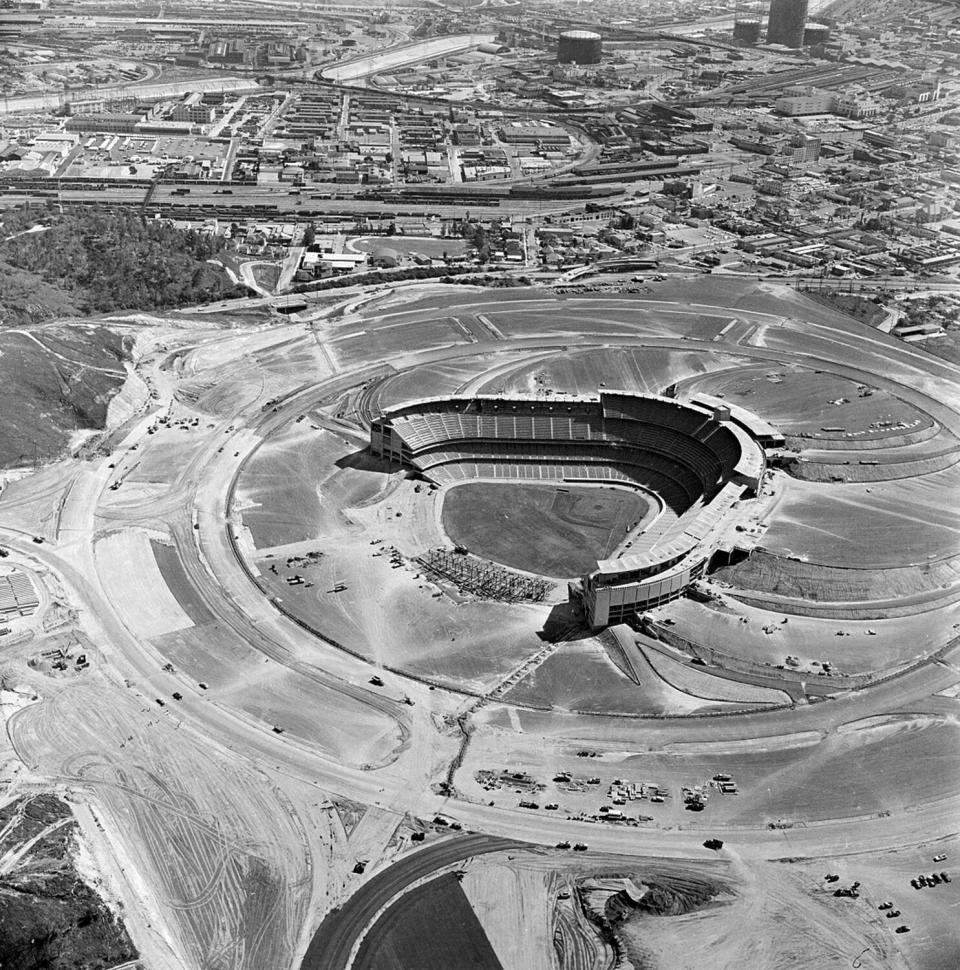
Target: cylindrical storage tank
x=786 y=22
x=579 y=47
x=747 y=31
x=815 y=34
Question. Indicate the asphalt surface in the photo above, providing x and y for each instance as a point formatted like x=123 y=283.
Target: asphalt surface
x=342 y=929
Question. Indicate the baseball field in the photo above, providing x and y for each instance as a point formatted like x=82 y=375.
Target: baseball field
x=556 y=530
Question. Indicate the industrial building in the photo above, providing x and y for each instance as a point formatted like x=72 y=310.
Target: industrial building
x=787 y=21
x=579 y=47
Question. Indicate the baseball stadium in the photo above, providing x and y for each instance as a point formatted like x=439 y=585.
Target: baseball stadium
x=402 y=599
x=697 y=471
x=697 y=465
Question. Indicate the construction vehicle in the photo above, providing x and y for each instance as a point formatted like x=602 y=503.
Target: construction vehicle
x=580 y=847
x=563 y=845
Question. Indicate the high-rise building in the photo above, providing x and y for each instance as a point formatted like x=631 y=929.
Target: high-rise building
x=786 y=22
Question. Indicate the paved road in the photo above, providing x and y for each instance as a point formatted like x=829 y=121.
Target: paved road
x=210 y=564
x=403 y=55
x=333 y=942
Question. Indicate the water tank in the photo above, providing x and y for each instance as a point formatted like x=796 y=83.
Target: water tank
x=747 y=31
x=815 y=34
x=579 y=47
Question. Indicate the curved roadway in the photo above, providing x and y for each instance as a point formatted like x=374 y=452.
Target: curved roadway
x=210 y=564
x=342 y=929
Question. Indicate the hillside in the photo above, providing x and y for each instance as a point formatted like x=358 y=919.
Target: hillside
x=50 y=919
x=57 y=376
x=98 y=261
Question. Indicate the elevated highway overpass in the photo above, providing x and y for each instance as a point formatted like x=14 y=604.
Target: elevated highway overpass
x=404 y=55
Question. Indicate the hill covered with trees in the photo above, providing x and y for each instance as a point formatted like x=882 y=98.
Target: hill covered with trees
x=100 y=260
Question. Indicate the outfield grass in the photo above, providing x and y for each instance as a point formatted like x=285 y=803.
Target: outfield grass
x=554 y=530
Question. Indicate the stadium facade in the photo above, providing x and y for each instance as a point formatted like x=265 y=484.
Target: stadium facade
x=699 y=461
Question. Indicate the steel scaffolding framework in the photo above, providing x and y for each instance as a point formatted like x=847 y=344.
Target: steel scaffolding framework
x=485 y=579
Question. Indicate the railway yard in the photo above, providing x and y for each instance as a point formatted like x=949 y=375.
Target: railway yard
x=308 y=732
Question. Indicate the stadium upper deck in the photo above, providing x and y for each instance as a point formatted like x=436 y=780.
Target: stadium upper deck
x=697 y=460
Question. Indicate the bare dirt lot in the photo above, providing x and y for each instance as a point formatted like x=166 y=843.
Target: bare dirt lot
x=555 y=530
x=867 y=526
x=804 y=400
x=649 y=370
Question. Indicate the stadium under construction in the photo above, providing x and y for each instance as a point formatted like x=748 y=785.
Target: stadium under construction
x=698 y=462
